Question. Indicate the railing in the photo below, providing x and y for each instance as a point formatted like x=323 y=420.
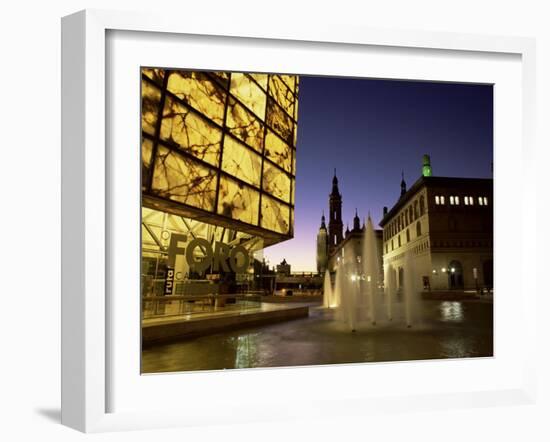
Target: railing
x=175 y=305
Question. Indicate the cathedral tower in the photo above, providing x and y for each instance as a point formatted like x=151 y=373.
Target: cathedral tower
x=335 y=225
x=322 y=247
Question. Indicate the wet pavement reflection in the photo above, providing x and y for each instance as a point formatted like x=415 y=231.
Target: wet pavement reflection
x=449 y=329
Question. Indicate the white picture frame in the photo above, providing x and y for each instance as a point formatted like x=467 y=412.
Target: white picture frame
x=87 y=356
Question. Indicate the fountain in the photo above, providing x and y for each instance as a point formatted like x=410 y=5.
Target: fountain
x=371 y=272
x=357 y=296
x=328 y=300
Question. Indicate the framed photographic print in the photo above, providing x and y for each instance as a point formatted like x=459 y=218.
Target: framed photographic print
x=250 y=217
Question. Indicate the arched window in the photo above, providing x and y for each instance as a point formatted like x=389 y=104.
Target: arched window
x=398 y=240
x=422 y=209
x=408 y=235
x=415 y=209
x=418 y=228
x=410 y=214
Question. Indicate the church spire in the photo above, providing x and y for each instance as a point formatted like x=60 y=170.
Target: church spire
x=323 y=225
x=335 y=224
x=403 y=184
x=335 y=190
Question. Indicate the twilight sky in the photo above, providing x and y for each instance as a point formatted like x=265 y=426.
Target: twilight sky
x=370 y=130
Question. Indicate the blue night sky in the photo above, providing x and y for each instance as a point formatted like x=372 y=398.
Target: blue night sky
x=370 y=130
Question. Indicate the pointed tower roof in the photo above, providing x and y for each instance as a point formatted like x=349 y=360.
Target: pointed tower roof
x=335 y=190
x=403 y=184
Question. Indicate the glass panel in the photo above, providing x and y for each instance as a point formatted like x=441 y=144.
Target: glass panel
x=275 y=215
x=261 y=79
x=190 y=132
x=146 y=152
x=238 y=201
x=249 y=93
x=296 y=104
x=282 y=94
x=278 y=151
x=150 y=102
x=155 y=74
x=279 y=121
x=241 y=162
x=222 y=77
x=292 y=190
x=290 y=80
x=196 y=89
x=244 y=125
x=184 y=180
x=276 y=182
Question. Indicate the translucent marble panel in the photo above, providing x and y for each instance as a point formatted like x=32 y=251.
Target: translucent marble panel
x=201 y=93
x=244 y=125
x=276 y=182
x=238 y=201
x=278 y=151
x=249 y=93
x=261 y=79
x=150 y=102
x=222 y=77
x=296 y=105
x=241 y=162
x=184 y=180
x=279 y=121
x=290 y=81
x=146 y=153
x=282 y=94
x=275 y=215
x=155 y=74
x=190 y=132
x=292 y=191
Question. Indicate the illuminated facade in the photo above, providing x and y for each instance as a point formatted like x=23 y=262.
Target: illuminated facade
x=218 y=176
x=446 y=225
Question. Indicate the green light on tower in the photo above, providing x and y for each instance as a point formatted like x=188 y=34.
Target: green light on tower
x=426 y=166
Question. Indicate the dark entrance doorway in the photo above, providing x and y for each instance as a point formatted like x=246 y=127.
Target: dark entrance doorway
x=456 y=276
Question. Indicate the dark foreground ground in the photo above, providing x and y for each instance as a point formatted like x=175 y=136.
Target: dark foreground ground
x=448 y=329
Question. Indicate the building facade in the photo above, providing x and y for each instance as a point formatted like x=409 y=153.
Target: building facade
x=218 y=176
x=444 y=225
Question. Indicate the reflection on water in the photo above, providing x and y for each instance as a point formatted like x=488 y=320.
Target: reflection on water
x=449 y=330
x=451 y=311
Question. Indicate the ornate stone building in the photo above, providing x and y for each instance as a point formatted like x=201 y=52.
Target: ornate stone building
x=335 y=247
x=322 y=247
x=445 y=225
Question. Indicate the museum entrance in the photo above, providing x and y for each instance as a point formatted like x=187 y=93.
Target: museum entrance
x=456 y=277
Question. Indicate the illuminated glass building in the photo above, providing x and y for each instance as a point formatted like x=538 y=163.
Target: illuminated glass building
x=218 y=177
